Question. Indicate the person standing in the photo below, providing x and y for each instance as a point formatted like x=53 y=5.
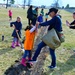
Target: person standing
x=40 y=18
x=42 y=11
x=55 y=23
x=10 y=15
x=28 y=43
x=17 y=25
x=35 y=15
x=30 y=15
x=46 y=17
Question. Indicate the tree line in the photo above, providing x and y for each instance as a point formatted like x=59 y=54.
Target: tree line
x=13 y=1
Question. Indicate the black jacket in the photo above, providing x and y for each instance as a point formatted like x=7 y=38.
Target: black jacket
x=30 y=14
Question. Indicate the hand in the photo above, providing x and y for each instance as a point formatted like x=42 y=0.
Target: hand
x=16 y=30
x=32 y=25
x=37 y=23
x=67 y=23
x=13 y=26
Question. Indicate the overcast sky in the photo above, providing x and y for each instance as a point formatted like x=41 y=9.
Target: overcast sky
x=46 y=2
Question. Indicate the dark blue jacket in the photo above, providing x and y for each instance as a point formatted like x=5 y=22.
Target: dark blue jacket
x=55 y=23
x=40 y=19
x=18 y=26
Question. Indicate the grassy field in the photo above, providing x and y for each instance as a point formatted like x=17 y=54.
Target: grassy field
x=65 y=54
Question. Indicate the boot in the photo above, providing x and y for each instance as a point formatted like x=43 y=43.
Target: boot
x=18 y=44
x=23 y=62
x=13 y=45
x=31 y=64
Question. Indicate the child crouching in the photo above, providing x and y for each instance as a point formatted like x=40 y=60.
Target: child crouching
x=17 y=25
x=30 y=32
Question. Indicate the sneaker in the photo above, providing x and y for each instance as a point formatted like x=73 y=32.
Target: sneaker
x=52 y=67
x=32 y=61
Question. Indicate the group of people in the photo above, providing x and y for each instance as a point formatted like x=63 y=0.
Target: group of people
x=30 y=31
x=32 y=15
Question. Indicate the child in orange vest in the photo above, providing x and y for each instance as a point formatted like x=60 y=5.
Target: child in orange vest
x=28 y=43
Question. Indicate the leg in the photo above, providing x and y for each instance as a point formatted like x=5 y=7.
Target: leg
x=29 y=59
x=34 y=21
x=29 y=21
x=17 y=42
x=23 y=61
x=29 y=55
x=25 y=54
x=11 y=18
x=13 y=42
x=38 y=50
x=53 y=57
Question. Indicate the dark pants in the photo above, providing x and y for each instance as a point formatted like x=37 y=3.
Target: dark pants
x=34 y=21
x=52 y=53
x=27 y=53
x=29 y=21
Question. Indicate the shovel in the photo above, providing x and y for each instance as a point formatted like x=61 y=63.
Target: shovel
x=20 y=42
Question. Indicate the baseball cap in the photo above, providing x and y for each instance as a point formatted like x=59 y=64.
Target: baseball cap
x=52 y=10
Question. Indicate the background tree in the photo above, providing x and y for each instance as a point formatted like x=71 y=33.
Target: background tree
x=67 y=6
x=24 y=4
x=29 y=2
x=56 y=3
x=4 y=1
x=12 y=1
x=7 y=4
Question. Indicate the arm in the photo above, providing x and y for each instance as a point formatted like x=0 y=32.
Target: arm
x=72 y=27
x=32 y=30
x=12 y=23
x=50 y=22
x=72 y=23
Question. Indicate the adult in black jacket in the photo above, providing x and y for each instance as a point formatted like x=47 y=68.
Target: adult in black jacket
x=30 y=14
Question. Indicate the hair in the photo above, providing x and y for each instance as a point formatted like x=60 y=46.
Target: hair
x=40 y=13
x=19 y=17
x=36 y=8
x=28 y=28
x=42 y=9
x=74 y=12
x=55 y=10
x=31 y=7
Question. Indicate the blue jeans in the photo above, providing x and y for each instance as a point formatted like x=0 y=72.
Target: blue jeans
x=27 y=53
x=52 y=53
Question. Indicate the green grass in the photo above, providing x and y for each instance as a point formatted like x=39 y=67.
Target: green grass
x=65 y=54
x=8 y=55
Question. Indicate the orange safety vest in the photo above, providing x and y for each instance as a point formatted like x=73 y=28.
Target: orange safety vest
x=29 y=40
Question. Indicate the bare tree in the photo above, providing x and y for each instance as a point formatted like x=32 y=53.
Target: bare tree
x=24 y=4
x=56 y=3
x=7 y=4
x=29 y=2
